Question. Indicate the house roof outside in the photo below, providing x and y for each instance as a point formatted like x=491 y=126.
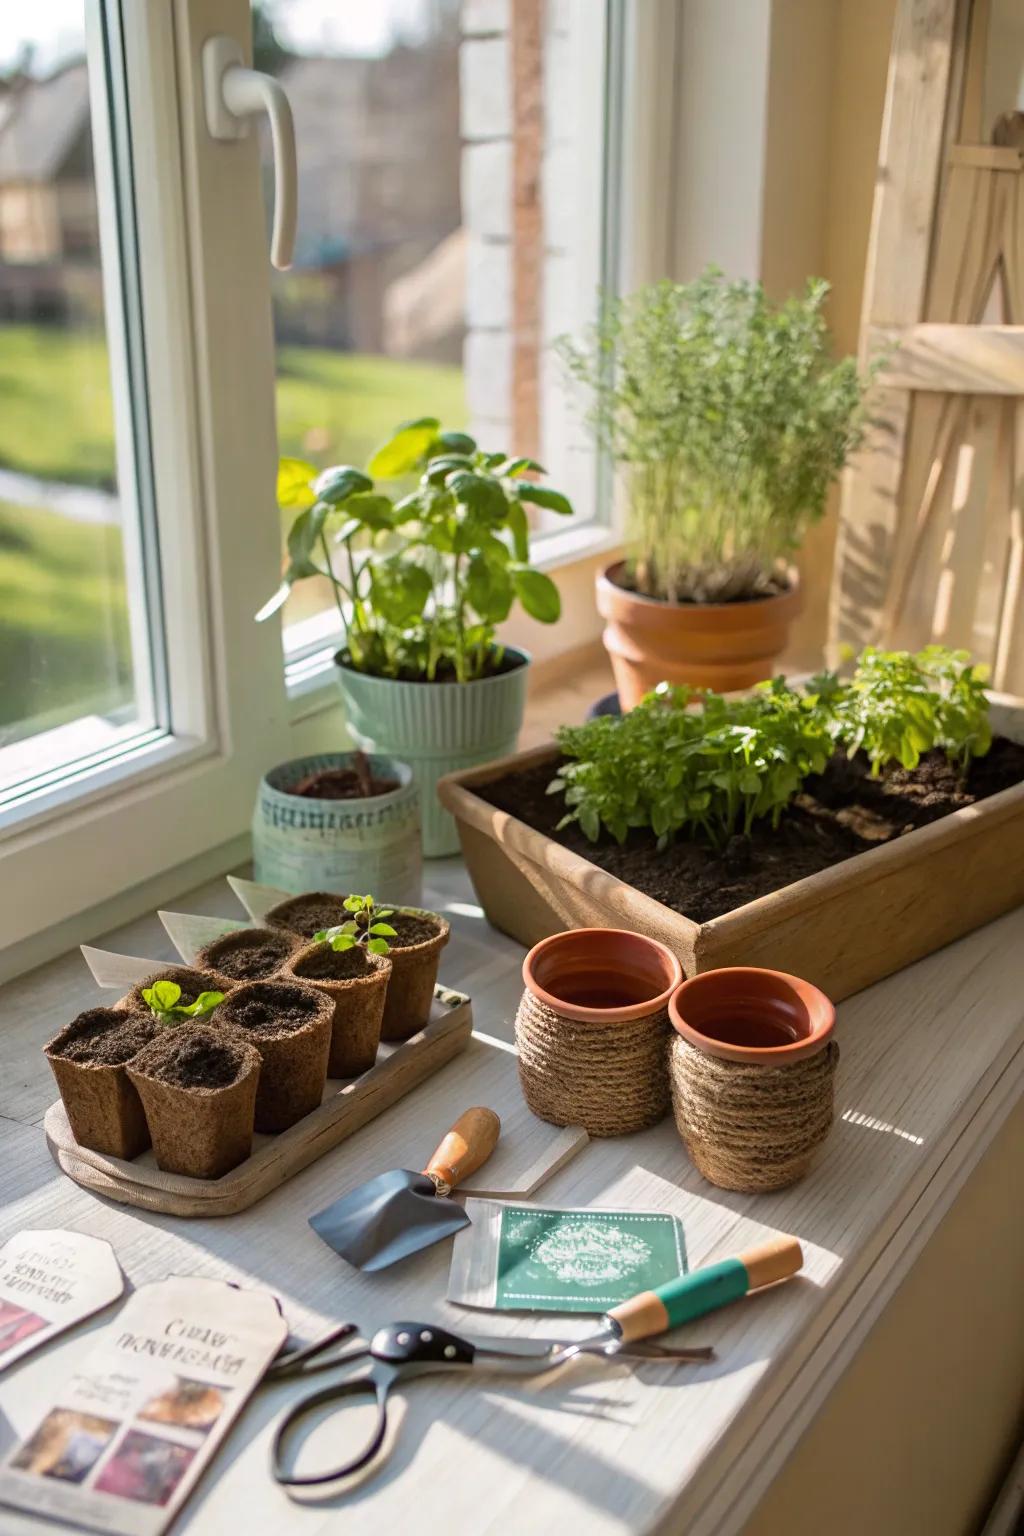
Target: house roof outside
x=41 y=122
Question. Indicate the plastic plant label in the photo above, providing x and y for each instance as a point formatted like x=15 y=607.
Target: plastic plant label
x=584 y=1259
x=126 y=1438
x=50 y=1280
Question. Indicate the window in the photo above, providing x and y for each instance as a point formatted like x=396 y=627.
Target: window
x=451 y=175
x=80 y=638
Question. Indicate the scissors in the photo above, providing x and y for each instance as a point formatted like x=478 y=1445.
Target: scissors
x=402 y=1352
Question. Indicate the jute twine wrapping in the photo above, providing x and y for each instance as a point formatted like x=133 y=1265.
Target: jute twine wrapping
x=751 y=1128
x=608 y=1078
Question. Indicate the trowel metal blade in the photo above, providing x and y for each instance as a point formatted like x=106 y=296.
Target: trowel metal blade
x=387 y=1219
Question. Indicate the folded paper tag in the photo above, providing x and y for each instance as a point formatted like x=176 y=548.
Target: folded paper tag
x=530 y=1258
x=50 y=1280
x=127 y=1436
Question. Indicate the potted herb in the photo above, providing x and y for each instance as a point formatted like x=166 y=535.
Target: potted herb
x=89 y=1060
x=198 y=1090
x=837 y=830
x=413 y=940
x=352 y=967
x=290 y=1026
x=338 y=819
x=730 y=421
x=247 y=954
x=421 y=585
x=192 y=984
x=168 y=1004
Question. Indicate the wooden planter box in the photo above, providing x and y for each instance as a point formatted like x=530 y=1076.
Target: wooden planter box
x=843 y=928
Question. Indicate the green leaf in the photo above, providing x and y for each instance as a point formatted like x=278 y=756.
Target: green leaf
x=295 y=484
x=544 y=496
x=304 y=533
x=456 y=442
x=385 y=930
x=206 y=1002
x=379 y=947
x=489 y=589
x=353 y=903
x=510 y=468
x=519 y=528
x=399 y=590
x=342 y=942
x=482 y=494
x=162 y=996
x=402 y=453
x=336 y=485
x=537 y=593
x=370 y=509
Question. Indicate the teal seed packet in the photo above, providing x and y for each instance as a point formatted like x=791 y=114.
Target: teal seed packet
x=529 y=1258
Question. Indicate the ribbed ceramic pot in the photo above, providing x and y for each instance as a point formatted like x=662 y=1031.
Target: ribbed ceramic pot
x=437 y=728
x=303 y=844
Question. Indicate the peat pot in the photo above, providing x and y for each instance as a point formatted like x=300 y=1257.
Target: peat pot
x=305 y=844
x=592 y=1029
x=842 y=928
x=724 y=646
x=752 y=1068
x=435 y=728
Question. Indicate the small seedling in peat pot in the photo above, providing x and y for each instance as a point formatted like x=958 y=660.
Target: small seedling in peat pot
x=164 y=1001
x=367 y=926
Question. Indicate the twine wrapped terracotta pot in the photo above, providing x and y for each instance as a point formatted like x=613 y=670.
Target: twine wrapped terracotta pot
x=89 y=1060
x=357 y=998
x=592 y=1029
x=752 y=1068
x=290 y=1025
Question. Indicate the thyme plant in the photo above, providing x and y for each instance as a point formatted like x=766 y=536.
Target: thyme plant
x=730 y=420
x=421 y=583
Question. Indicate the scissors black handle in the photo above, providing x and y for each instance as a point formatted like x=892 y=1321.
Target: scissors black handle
x=396 y=1353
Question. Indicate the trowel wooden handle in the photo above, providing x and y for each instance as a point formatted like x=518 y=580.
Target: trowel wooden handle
x=466 y=1148
x=679 y=1301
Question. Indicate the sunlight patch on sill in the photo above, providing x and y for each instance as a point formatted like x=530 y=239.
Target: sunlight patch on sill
x=871 y=1123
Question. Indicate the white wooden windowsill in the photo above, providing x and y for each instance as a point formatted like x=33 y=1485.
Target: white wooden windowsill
x=932 y=1063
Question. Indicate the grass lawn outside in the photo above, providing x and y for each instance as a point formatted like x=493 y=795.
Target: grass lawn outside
x=64 y=643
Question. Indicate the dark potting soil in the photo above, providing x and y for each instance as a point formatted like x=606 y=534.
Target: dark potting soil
x=309 y=913
x=411 y=929
x=249 y=955
x=193 y=1057
x=190 y=980
x=104 y=1037
x=271 y=1008
x=327 y=964
x=355 y=783
x=839 y=813
x=497 y=665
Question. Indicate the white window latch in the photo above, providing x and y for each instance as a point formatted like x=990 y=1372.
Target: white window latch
x=232 y=94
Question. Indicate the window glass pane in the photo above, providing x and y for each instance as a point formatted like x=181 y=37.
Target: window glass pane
x=451 y=163
x=75 y=673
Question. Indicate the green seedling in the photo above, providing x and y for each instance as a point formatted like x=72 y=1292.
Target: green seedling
x=164 y=1001
x=366 y=927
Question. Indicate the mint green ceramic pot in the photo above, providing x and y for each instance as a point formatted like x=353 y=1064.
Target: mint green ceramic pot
x=437 y=728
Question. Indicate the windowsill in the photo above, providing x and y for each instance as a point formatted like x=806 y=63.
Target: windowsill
x=310 y=677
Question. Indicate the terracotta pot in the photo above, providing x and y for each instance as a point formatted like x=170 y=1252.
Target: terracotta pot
x=592 y=1027
x=246 y=955
x=358 y=1007
x=290 y=1025
x=413 y=978
x=197 y=1130
x=102 y=1106
x=752 y=1070
x=723 y=646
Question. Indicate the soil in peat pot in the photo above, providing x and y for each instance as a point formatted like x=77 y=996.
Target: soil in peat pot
x=357 y=782
x=277 y=1009
x=194 y=1058
x=104 y=1038
x=248 y=954
x=327 y=964
x=190 y=980
x=838 y=814
x=411 y=929
x=309 y=913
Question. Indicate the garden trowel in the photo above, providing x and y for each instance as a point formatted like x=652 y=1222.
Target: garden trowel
x=398 y=1213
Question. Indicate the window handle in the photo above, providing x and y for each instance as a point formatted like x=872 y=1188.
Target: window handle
x=234 y=93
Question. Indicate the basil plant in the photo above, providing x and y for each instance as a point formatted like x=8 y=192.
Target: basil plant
x=421 y=582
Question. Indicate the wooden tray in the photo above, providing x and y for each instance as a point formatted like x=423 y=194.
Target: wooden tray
x=344 y=1110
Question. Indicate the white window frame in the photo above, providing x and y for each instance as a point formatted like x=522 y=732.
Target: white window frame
x=177 y=809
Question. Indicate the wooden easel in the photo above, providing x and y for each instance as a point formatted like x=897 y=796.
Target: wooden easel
x=931 y=535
